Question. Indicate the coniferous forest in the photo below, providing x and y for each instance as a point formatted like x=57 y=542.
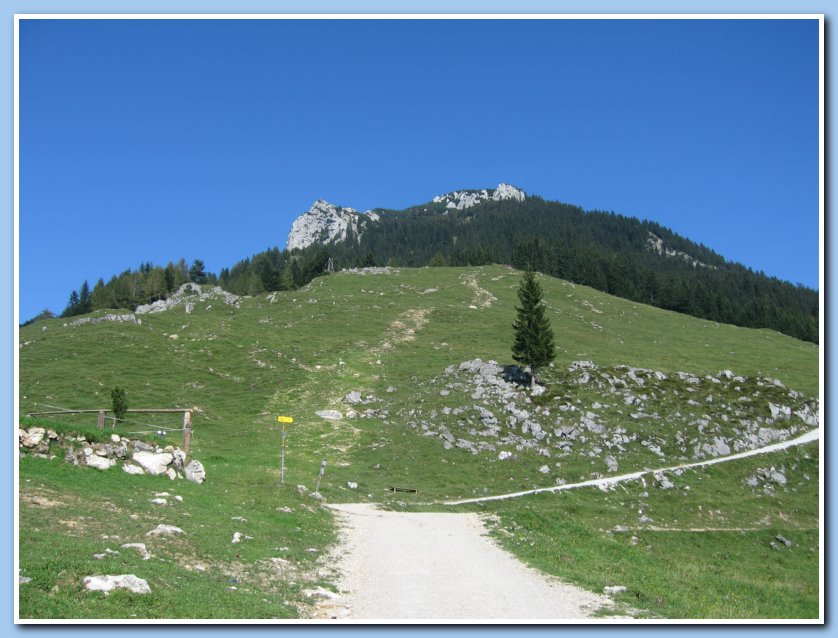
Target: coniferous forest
x=609 y=252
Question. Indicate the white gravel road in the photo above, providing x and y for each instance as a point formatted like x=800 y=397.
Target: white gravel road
x=431 y=566
x=443 y=566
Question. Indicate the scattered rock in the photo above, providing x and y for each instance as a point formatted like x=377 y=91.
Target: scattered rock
x=140 y=547
x=194 y=471
x=154 y=464
x=613 y=590
x=99 y=462
x=187 y=294
x=719 y=447
x=159 y=501
x=321 y=593
x=779 y=411
x=329 y=415
x=70 y=456
x=165 y=530
x=31 y=437
x=123 y=318
x=662 y=481
x=352 y=485
x=109 y=583
x=178 y=458
x=778 y=477
x=130 y=468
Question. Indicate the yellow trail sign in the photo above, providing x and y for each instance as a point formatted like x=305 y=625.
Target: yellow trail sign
x=284 y=419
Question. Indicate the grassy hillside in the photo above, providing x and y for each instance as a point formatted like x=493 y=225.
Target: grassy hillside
x=388 y=337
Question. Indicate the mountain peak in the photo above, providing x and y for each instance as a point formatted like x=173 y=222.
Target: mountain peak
x=468 y=198
x=323 y=223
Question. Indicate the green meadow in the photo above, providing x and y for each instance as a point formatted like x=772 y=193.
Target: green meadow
x=390 y=337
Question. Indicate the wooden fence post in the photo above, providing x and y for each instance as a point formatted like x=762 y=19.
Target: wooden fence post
x=187 y=431
x=100 y=421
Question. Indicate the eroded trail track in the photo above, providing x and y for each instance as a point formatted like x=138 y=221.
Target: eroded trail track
x=398 y=565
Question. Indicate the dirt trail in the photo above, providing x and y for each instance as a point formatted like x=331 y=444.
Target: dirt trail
x=427 y=566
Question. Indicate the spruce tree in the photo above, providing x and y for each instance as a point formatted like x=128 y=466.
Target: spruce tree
x=119 y=402
x=196 y=272
x=84 y=299
x=533 y=344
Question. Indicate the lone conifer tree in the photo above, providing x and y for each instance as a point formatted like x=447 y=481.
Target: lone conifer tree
x=533 y=344
x=119 y=403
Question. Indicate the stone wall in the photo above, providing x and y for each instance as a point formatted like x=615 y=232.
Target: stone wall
x=132 y=455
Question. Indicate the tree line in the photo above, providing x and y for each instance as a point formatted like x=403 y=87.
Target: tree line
x=132 y=288
x=599 y=249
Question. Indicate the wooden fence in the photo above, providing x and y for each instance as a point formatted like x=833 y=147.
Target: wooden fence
x=187 y=418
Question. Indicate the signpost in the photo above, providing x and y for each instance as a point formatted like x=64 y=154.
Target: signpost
x=285 y=420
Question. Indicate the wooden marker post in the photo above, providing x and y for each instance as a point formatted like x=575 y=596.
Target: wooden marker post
x=100 y=420
x=187 y=431
x=285 y=420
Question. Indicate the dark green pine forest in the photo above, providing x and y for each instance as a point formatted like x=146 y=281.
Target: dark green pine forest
x=603 y=250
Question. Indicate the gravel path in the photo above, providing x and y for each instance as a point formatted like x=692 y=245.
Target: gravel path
x=427 y=566
x=443 y=566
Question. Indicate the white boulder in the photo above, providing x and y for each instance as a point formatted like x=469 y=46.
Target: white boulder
x=195 y=472
x=130 y=468
x=99 y=462
x=124 y=581
x=31 y=437
x=154 y=464
x=165 y=530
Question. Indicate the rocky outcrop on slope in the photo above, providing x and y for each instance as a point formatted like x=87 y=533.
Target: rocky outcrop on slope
x=188 y=295
x=608 y=414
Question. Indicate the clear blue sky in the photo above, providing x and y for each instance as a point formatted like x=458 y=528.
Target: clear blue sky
x=154 y=140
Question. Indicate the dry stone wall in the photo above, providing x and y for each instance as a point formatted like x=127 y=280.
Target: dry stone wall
x=132 y=455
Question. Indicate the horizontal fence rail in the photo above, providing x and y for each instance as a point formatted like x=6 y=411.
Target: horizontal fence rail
x=187 y=418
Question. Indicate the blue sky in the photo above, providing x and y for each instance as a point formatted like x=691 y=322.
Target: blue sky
x=154 y=140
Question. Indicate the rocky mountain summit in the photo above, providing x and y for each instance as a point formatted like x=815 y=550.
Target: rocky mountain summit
x=469 y=198
x=325 y=223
